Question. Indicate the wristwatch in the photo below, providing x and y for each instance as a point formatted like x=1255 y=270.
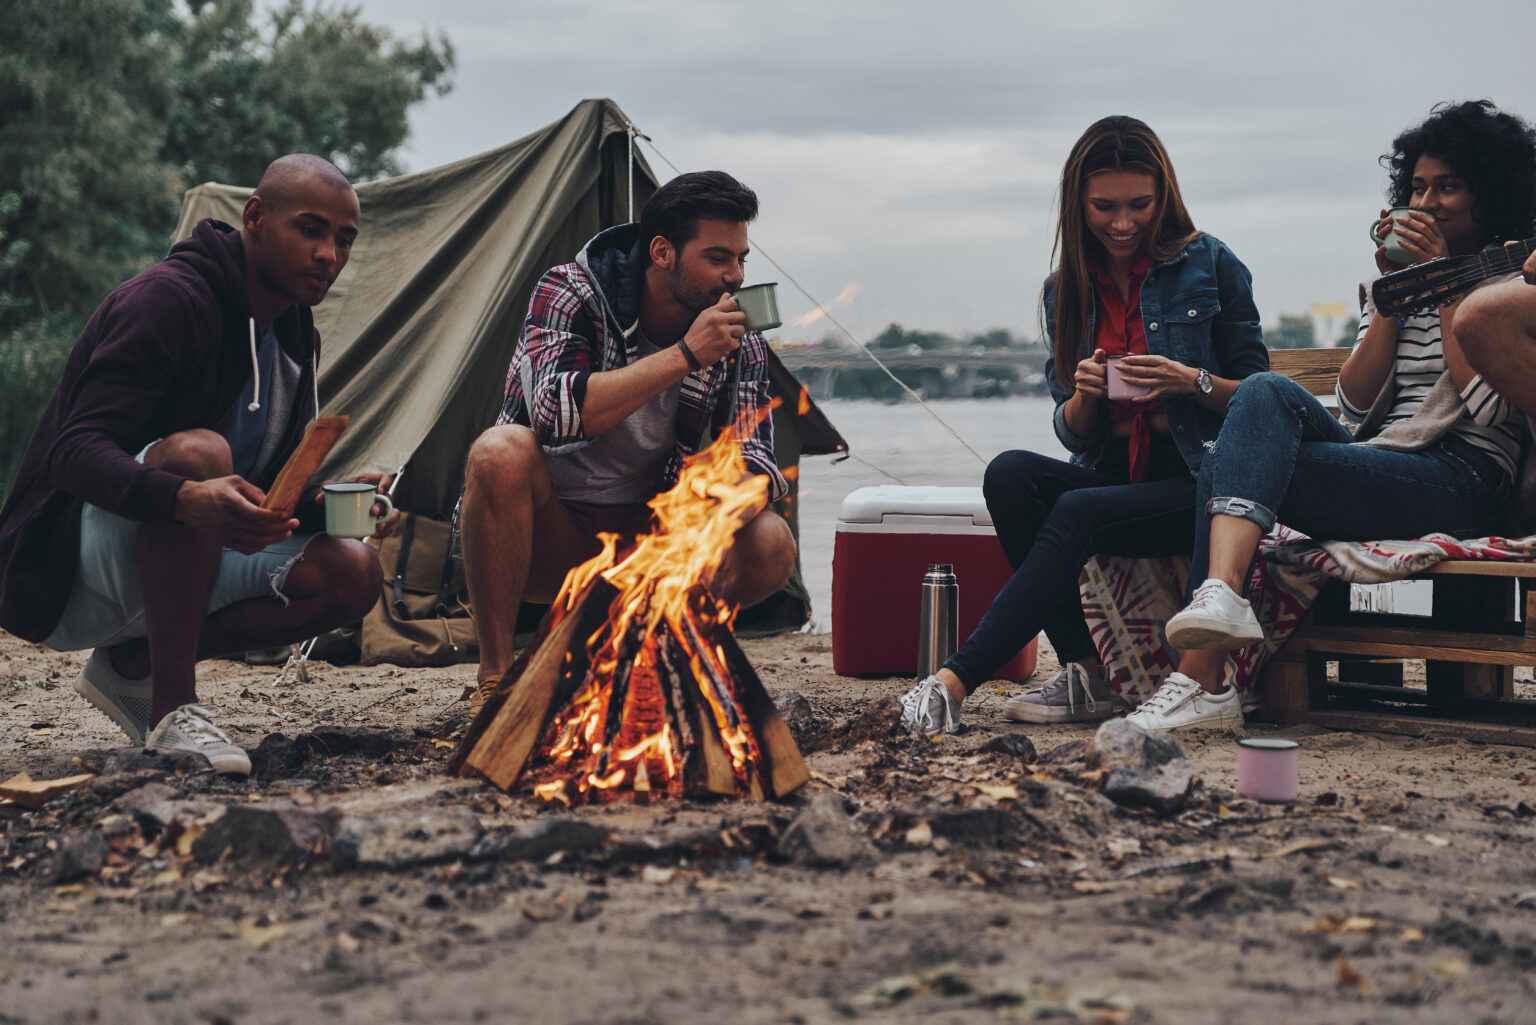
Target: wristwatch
x=1203 y=382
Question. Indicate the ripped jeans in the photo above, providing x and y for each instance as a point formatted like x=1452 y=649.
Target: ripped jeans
x=1282 y=456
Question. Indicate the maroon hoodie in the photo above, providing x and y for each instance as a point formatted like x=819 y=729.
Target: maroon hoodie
x=167 y=351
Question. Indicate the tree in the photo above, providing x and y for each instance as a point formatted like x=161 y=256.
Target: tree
x=1293 y=332
x=110 y=109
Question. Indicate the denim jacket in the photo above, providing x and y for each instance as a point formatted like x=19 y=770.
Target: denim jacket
x=1197 y=308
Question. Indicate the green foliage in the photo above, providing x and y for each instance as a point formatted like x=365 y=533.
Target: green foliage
x=1293 y=332
x=309 y=79
x=111 y=109
x=897 y=338
x=32 y=357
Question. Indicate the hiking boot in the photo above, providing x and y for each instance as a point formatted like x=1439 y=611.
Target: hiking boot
x=1216 y=619
x=927 y=709
x=1073 y=695
x=124 y=701
x=482 y=693
x=1181 y=703
x=188 y=728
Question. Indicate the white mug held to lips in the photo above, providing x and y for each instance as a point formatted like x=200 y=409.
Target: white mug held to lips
x=1117 y=386
x=349 y=509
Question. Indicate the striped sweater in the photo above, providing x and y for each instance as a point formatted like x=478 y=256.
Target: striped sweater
x=1489 y=422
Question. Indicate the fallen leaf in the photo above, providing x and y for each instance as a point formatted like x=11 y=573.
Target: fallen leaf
x=187 y=838
x=998 y=791
x=1119 y=846
x=34 y=793
x=709 y=884
x=206 y=880
x=1328 y=924
x=44 y=732
x=436 y=742
x=302 y=798
x=1358 y=923
x=1435 y=841
x=1340 y=883
x=1411 y=935
x=1302 y=845
x=69 y=890
x=1345 y=975
x=1094 y=775
x=176 y=918
x=168 y=877
x=656 y=874
x=346 y=941
x=920 y=835
x=260 y=936
x=1455 y=968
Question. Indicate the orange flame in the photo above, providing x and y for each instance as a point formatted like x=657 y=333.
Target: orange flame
x=662 y=585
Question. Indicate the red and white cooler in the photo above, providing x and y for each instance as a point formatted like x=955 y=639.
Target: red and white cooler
x=886 y=537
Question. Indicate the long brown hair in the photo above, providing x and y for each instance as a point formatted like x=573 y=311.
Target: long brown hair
x=1116 y=143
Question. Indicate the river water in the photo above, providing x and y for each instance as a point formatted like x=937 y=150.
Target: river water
x=907 y=443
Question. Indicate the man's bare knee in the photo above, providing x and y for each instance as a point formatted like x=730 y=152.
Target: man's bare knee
x=197 y=454
x=765 y=550
x=344 y=573
x=504 y=458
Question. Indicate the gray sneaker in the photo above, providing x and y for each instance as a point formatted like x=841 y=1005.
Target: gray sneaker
x=189 y=729
x=1073 y=695
x=124 y=701
x=928 y=709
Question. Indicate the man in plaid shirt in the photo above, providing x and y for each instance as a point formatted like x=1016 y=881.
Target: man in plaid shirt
x=624 y=360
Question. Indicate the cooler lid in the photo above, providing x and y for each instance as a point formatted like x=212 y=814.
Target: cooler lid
x=874 y=504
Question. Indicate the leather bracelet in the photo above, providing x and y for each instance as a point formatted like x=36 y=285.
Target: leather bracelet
x=693 y=361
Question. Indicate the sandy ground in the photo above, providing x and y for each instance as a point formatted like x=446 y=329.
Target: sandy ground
x=1401 y=887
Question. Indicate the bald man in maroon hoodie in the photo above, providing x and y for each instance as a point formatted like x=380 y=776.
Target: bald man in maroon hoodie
x=134 y=525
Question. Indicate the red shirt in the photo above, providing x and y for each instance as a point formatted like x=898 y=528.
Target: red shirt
x=1120 y=333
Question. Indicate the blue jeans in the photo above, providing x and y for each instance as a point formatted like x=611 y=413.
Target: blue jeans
x=1050 y=517
x=1281 y=455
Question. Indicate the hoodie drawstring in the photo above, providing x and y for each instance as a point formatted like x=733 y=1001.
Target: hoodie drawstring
x=314 y=375
x=255 y=372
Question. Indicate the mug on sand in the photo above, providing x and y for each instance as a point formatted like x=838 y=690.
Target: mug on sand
x=1393 y=242
x=349 y=509
x=1116 y=385
x=761 y=305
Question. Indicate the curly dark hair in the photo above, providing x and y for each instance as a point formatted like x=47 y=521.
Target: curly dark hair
x=1495 y=152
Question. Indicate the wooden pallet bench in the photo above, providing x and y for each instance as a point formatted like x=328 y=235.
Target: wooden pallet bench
x=1471 y=642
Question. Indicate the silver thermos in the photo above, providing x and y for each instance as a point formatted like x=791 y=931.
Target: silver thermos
x=939 y=618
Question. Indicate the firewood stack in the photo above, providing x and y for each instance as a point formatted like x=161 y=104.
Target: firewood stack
x=678 y=708
x=635 y=685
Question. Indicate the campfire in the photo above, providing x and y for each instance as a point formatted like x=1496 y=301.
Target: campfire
x=635 y=686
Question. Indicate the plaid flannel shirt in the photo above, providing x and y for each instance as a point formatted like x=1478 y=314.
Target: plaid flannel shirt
x=571 y=332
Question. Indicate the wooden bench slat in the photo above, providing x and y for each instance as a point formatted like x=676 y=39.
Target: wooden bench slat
x=1477 y=568
x=1316 y=370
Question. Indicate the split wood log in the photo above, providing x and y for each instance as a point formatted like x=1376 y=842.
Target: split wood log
x=507 y=740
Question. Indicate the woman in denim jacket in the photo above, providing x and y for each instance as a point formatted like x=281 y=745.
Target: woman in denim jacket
x=1135 y=283
x=1435 y=447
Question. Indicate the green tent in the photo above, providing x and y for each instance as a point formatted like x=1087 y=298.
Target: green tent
x=418 y=332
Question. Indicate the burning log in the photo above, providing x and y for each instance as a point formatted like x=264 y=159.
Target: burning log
x=635 y=684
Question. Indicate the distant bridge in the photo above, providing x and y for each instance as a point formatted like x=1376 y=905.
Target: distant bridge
x=951 y=373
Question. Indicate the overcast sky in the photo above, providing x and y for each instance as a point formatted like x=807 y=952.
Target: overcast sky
x=912 y=149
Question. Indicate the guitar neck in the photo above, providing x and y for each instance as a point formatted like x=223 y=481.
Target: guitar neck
x=1507 y=258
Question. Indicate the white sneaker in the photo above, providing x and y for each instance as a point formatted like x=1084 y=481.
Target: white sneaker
x=1073 y=695
x=189 y=729
x=1181 y=703
x=928 y=709
x=1216 y=619
x=124 y=701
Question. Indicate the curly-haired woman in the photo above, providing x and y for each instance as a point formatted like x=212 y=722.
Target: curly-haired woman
x=1434 y=448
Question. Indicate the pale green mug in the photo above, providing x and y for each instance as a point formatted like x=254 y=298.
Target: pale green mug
x=761 y=305
x=1393 y=242
x=349 y=509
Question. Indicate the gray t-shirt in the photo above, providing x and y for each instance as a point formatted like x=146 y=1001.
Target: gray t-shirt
x=624 y=464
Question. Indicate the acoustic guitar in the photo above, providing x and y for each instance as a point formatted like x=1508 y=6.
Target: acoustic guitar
x=1427 y=286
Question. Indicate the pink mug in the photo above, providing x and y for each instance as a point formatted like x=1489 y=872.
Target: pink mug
x=1267 y=768
x=1116 y=385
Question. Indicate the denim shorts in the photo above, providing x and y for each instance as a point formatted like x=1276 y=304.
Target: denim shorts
x=106 y=603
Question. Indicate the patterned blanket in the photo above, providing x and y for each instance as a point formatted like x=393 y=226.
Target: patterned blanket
x=1127 y=601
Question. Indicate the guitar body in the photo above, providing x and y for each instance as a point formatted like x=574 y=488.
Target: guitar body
x=1427 y=286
